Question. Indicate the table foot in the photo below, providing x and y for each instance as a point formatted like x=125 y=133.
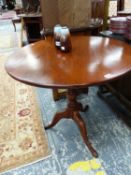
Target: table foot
x=81 y=125
x=14 y=25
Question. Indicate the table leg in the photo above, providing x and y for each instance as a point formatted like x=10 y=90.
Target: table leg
x=57 y=118
x=82 y=127
x=13 y=22
x=72 y=112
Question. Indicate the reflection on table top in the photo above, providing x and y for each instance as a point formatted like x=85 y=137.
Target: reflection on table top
x=93 y=60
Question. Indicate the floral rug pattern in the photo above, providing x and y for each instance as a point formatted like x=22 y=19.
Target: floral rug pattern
x=22 y=137
x=9 y=40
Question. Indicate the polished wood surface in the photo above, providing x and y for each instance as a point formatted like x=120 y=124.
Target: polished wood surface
x=93 y=60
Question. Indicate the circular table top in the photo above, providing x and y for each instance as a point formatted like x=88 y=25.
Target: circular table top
x=93 y=60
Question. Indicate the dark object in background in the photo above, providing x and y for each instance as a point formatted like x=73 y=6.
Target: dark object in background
x=10 y=4
x=33 y=26
x=31 y=5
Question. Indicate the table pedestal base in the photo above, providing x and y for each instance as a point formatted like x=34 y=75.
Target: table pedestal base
x=72 y=112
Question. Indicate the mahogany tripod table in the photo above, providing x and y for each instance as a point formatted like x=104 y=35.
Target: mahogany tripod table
x=92 y=61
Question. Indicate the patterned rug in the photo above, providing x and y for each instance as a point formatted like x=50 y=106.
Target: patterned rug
x=22 y=137
x=9 y=40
